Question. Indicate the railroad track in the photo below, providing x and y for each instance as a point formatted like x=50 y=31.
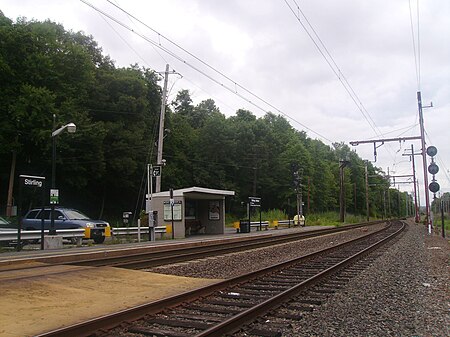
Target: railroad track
x=285 y=291
x=205 y=249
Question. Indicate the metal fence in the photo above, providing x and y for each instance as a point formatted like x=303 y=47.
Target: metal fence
x=11 y=234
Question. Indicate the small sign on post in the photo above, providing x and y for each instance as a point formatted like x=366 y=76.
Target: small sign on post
x=126 y=217
x=54 y=196
x=254 y=201
x=156 y=171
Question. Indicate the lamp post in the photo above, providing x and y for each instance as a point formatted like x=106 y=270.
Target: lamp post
x=71 y=128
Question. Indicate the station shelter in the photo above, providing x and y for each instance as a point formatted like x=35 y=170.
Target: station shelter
x=196 y=210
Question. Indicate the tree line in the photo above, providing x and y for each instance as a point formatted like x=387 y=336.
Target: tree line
x=48 y=73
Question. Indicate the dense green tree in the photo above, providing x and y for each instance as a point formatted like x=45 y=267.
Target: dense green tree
x=50 y=76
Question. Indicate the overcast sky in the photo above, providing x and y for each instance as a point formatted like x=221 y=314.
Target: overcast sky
x=263 y=48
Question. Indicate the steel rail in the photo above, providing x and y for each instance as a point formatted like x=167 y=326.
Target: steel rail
x=174 y=255
x=107 y=322
x=248 y=316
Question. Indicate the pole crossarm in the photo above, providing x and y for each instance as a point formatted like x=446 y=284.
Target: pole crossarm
x=410 y=155
x=402 y=176
x=382 y=141
x=400 y=139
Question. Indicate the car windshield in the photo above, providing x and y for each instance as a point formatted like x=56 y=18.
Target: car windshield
x=3 y=221
x=75 y=215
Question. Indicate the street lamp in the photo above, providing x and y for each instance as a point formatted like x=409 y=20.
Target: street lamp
x=71 y=128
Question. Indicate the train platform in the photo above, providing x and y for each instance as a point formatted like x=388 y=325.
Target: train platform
x=72 y=253
x=40 y=293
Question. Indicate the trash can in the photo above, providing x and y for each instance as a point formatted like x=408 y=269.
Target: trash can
x=244 y=226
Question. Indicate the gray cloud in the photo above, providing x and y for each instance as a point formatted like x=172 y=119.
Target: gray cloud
x=260 y=45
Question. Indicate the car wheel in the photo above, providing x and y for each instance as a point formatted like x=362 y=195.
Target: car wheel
x=99 y=239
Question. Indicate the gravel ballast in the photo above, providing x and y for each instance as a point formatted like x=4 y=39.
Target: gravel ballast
x=232 y=265
x=404 y=292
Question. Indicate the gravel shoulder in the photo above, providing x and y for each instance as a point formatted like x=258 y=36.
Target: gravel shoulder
x=404 y=293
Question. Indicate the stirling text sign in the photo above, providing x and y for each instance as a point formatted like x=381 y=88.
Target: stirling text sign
x=32 y=181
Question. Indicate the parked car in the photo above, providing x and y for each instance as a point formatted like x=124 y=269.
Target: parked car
x=67 y=218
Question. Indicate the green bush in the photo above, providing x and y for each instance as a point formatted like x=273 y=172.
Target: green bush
x=313 y=219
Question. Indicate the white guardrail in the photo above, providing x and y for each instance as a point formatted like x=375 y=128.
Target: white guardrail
x=257 y=224
x=135 y=230
x=11 y=234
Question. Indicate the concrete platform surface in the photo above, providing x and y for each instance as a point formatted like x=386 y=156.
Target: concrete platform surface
x=38 y=298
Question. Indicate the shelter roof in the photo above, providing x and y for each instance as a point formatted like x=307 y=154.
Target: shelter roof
x=196 y=193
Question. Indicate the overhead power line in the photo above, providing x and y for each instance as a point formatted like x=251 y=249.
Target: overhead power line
x=323 y=50
x=232 y=89
x=415 y=50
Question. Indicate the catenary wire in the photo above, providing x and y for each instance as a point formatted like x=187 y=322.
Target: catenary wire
x=337 y=71
x=236 y=85
x=414 y=44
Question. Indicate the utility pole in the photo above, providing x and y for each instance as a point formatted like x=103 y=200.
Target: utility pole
x=161 y=128
x=389 y=196
x=416 y=204
x=404 y=182
x=300 y=195
x=254 y=179
x=309 y=183
x=297 y=181
x=424 y=161
x=367 y=190
x=342 y=164
x=389 y=202
x=406 y=204
x=442 y=217
x=418 y=195
x=9 y=203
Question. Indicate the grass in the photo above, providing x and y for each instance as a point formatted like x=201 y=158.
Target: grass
x=318 y=219
x=330 y=219
x=270 y=215
x=438 y=223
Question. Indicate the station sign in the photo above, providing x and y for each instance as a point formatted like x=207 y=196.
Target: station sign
x=32 y=181
x=254 y=201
